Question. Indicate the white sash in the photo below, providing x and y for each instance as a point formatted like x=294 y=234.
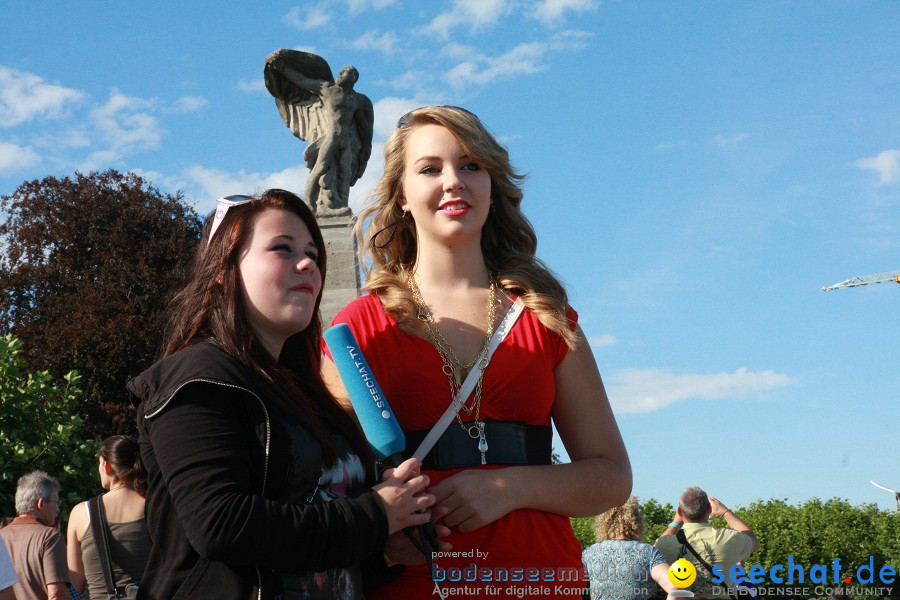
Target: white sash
x=471 y=381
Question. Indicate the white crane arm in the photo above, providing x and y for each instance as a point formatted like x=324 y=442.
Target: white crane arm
x=865 y=280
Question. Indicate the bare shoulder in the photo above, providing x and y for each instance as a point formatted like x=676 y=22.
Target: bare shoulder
x=78 y=520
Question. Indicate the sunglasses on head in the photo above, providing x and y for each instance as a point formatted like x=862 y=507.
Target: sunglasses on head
x=222 y=206
x=405 y=119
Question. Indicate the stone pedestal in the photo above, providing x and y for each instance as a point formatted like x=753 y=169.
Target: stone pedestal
x=343 y=280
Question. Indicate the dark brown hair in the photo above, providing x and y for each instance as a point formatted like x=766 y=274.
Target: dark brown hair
x=124 y=456
x=211 y=307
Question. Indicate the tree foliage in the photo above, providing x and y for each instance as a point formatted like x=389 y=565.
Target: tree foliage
x=86 y=268
x=817 y=532
x=40 y=429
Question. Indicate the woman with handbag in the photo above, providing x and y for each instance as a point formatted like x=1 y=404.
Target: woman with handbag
x=123 y=477
x=451 y=253
x=260 y=484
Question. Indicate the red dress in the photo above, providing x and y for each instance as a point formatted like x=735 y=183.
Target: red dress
x=536 y=548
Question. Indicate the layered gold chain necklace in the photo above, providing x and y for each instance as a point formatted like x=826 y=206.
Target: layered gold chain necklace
x=454 y=368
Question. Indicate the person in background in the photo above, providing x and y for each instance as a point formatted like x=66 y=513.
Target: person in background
x=122 y=476
x=34 y=543
x=450 y=252
x=258 y=479
x=621 y=566
x=7 y=575
x=726 y=546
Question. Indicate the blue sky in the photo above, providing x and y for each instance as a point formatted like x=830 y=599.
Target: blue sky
x=697 y=171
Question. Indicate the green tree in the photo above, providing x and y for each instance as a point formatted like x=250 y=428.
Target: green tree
x=87 y=265
x=818 y=532
x=40 y=429
x=658 y=516
x=584 y=530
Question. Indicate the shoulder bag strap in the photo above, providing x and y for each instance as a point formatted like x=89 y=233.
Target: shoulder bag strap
x=471 y=381
x=99 y=527
x=682 y=537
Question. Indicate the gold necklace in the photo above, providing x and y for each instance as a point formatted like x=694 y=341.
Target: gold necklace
x=440 y=342
x=453 y=367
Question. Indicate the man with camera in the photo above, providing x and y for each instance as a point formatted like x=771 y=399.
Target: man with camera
x=691 y=537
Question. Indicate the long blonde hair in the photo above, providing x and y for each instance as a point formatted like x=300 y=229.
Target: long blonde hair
x=508 y=241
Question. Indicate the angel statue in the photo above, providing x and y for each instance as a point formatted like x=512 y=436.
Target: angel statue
x=335 y=119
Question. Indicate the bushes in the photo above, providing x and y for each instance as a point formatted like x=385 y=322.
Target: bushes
x=40 y=429
x=817 y=532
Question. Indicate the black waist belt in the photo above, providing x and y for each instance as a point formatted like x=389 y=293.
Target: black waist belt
x=509 y=443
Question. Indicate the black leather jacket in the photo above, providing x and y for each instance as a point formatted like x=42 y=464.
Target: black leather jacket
x=214 y=455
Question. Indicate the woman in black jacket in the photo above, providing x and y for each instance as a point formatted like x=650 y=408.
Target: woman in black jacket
x=257 y=477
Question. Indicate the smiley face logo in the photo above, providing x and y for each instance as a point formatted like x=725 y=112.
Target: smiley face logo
x=682 y=573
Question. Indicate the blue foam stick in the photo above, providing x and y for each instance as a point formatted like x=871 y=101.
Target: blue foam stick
x=375 y=415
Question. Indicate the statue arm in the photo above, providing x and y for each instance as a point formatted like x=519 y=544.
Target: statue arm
x=296 y=77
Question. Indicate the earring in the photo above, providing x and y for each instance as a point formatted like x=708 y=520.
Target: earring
x=393 y=227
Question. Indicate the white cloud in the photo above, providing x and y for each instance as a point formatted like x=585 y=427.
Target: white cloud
x=646 y=390
x=310 y=17
x=202 y=185
x=252 y=86
x=304 y=48
x=24 y=96
x=886 y=164
x=731 y=140
x=571 y=39
x=602 y=341
x=187 y=104
x=411 y=80
x=524 y=59
x=457 y=51
x=476 y=14
x=214 y=183
x=357 y=6
x=66 y=138
x=126 y=125
x=550 y=12
x=666 y=146
x=15 y=158
x=387 y=111
x=386 y=43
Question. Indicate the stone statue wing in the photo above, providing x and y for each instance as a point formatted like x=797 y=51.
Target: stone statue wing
x=365 y=121
x=297 y=105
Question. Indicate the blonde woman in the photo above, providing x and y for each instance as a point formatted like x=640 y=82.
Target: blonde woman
x=450 y=251
x=620 y=565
